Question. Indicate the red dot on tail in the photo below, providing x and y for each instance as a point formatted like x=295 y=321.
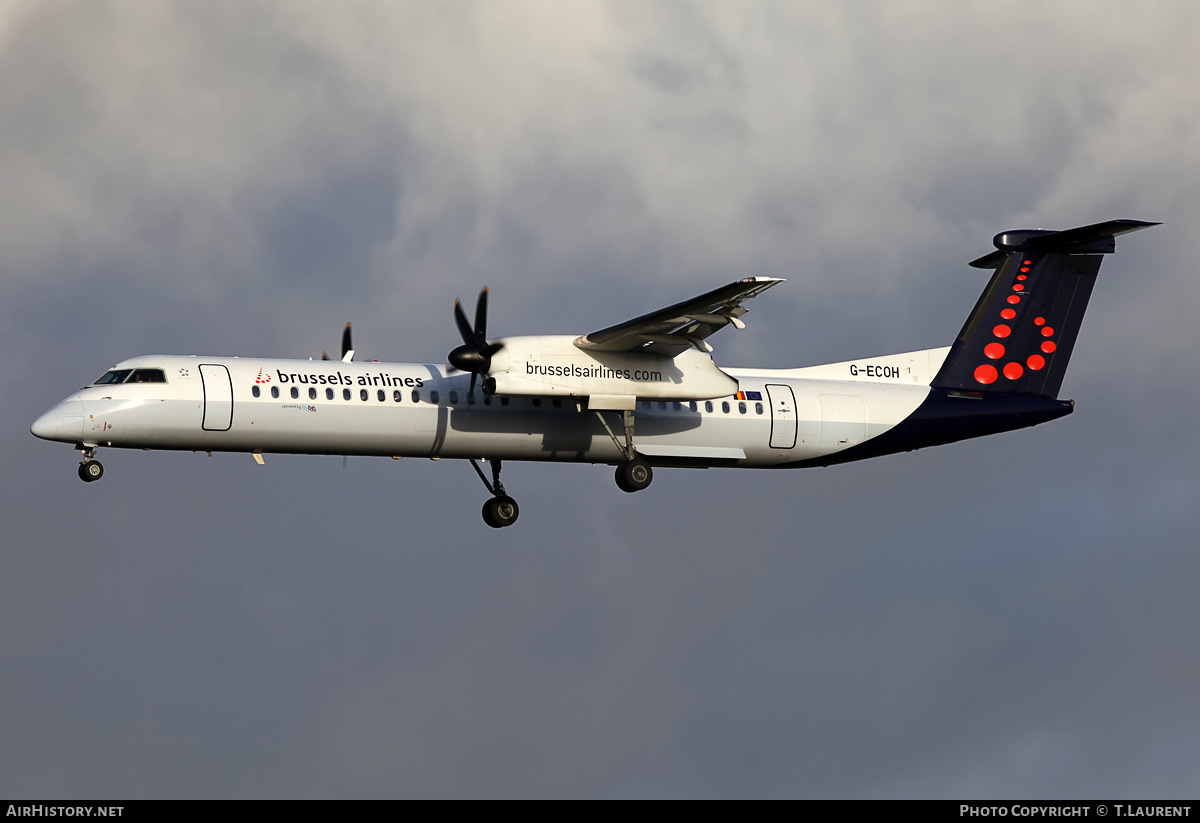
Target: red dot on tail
x=1014 y=299
x=1008 y=314
x=994 y=351
x=1035 y=361
x=1039 y=321
x=1047 y=332
x=1013 y=370
x=986 y=374
x=1002 y=331
x=1048 y=346
x=1018 y=287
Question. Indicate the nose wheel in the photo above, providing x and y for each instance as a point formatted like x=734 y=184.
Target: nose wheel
x=90 y=469
x=501 y=510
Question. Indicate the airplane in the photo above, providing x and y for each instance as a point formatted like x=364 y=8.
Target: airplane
x=640 y=395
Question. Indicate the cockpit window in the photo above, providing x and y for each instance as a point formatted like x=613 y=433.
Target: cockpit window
x=115 y=376
x=131 y=376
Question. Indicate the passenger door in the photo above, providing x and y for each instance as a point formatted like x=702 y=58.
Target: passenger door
x=218 y=398
x=783 y=416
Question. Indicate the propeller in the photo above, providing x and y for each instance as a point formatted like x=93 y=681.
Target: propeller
x=346 y=345
x=475 y=354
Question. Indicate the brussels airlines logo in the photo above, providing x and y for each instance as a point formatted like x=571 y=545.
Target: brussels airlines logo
x=603 y=372
x=343 y=379
x=263 y=377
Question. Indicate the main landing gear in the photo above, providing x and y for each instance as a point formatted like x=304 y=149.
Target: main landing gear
x=501 y=510
x=90 y=469
x=635 y=473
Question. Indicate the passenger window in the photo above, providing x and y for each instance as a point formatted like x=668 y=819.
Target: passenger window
x=692 y=405
x=345 y=394
x=329 y=394
x=537 y=402
x=295 y=393
x=725 y=406
x=470 y=398
x=275 y=391
x=453 y=398
x=758 y=409
x=416 y=396
x=397 y=396
x=741 y=408
x=381 y=395
x=312 y=394
x=503 y=401
x=708 y=406
x=677 y=406
x=433 y=397
x=558 y=403
x=362 y=395
x=254 y=391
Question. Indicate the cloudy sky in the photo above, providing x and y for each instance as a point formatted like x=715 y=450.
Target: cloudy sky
x=1010 y=617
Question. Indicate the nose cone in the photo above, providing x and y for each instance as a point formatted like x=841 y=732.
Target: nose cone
x=46 y=426
x=63 y=422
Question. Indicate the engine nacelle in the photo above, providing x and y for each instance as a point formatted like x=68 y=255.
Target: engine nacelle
x=554 y=366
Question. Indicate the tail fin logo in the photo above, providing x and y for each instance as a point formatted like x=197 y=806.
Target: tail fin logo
x=1020 y=335
x=985 y=374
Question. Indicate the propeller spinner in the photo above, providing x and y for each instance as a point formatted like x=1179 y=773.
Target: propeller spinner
x=475 y=354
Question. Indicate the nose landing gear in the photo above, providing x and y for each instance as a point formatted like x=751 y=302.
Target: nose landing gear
x=90 y=469
x=501 y=510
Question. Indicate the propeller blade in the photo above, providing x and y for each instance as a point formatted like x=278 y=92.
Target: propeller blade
x=481 y=317
x=464 y=328
x=345 y=341
x=324 y=356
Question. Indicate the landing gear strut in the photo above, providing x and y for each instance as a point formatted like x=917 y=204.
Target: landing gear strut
x=635 y=473
x=501 y=510
x=90 y=469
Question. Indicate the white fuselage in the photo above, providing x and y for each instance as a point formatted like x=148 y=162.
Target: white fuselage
x=412 y=410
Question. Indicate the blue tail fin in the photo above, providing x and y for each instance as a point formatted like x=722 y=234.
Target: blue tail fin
x=1021 y=333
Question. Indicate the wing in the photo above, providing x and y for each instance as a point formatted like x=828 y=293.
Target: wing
x=677 y=328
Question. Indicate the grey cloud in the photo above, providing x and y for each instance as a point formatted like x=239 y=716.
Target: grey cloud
x=1008 y=617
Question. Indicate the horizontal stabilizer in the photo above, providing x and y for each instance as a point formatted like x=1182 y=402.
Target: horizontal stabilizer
x=1098 y=238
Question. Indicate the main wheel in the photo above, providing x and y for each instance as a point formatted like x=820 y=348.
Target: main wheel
x=499 y=512
x=90 y=471
x=634 y=475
